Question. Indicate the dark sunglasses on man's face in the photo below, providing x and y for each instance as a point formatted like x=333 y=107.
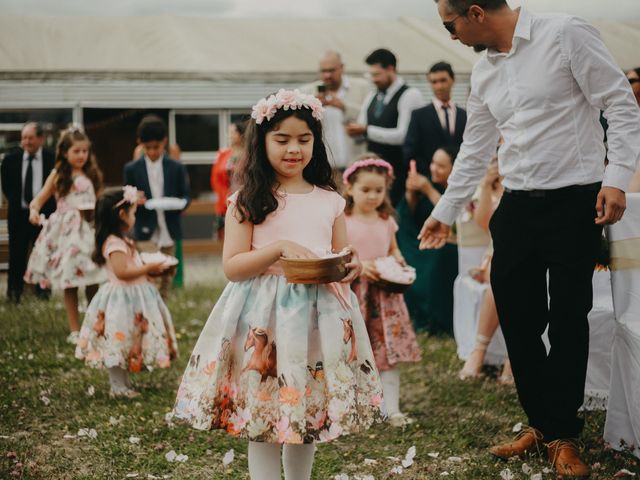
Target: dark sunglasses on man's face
x=451 y=24
x=634 y=80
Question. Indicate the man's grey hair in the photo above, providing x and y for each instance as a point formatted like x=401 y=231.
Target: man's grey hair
x=459 y=7
x=37 y=126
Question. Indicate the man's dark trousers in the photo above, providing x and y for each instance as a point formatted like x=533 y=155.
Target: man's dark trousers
x=536 y=233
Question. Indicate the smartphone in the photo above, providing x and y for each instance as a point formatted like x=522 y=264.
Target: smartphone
x=322 y=88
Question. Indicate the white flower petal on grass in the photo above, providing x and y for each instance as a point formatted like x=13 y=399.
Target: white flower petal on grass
x=341 y=476
x=506 y=474
x=445 y=474
x=370 y=461
x=526 y=469
x=433 y=454
x=408 y=458
x=228 y=457
x=69 y=437
x=366 y=477
x=171 y=456
x=131 y=475
x=454 y=459
x=395 y=459
x=182 y=458
x=44 y=399
x=536 y=476
x=397 y=470
x=5 y=437
x=624 y=473
x=546 y=470
x=59 y=355
x=91 y=391
x=30 y=356
x=86 y=432
x=134 y=440
x=517 y=427
x=114 y=421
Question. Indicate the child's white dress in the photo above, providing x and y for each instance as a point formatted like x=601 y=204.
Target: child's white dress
x=127 y=324
x=279 y=362
x=61 y=256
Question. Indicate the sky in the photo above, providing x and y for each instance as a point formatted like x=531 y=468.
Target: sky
x=593 y=9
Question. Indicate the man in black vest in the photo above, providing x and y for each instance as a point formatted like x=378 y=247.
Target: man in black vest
x=23 y=173
x=385 y=114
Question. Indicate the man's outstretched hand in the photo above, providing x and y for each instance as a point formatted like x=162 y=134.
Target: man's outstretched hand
x=434 y=234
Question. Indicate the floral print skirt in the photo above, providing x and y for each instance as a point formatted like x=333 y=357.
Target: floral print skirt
x=61 y=256
x=127 y=326
x=391 y=333
x=282 y=363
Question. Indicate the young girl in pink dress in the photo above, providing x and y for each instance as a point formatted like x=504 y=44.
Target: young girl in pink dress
x=282 y=363
x=371 y=229
x=127 y=326
x=61 y=256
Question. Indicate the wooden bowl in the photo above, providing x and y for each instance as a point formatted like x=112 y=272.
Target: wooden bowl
x=315 y=270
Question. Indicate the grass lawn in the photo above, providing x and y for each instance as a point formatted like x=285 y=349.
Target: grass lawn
x=44 y=397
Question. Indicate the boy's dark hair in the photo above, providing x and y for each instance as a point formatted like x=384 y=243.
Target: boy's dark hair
x=108 y=221
x=257 y=197
x=461 y=6
x=443 y=67
x=152 y=128
x=383 y=57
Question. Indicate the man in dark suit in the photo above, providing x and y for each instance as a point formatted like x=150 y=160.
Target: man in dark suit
x=437 y=124
x=157 y=175
x=23 y=173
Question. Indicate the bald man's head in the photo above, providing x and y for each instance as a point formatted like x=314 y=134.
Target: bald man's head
x=331 y=69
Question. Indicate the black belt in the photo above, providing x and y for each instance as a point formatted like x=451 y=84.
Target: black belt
x=592 y=187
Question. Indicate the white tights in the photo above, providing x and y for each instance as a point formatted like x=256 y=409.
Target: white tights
x=264 y=461
x=391 y=390
x=119 y=379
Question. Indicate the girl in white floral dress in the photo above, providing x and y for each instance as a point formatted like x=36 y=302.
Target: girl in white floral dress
x=280 y=363
x=61 y=256
x=127 y=326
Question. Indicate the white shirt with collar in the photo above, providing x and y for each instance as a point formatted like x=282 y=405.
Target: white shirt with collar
x=410 y=100
x=155 y=173
x=339 y=150
x=37 y=168
x=544 y=97
x=451 y=113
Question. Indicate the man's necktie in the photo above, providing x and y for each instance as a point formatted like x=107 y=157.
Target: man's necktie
x=28 y=181
x=446 y=119
x=379 y=106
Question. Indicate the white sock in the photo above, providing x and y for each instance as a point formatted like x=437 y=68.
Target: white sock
x=118 y=378
x=264 y=461
x=391 y=390
x=298 y=461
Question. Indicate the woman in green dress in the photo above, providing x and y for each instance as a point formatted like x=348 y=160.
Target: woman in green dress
x=430 y=298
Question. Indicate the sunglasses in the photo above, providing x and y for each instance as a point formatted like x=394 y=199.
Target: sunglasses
x=634 y=80
x=451 y=24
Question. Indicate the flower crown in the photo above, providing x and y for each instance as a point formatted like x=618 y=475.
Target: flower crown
x=130 y=196
x=367 y=162
x=266 y=108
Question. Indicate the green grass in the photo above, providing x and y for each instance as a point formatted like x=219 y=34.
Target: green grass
x=453 y=419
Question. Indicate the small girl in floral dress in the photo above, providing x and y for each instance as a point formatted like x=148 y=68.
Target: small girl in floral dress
x=372 y=230
x=127 y=326
x=277 y=362
x=61 y=256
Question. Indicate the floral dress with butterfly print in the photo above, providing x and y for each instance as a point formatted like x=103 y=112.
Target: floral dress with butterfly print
x=279 y=362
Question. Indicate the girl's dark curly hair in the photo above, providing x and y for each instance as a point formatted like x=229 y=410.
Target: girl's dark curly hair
x=257 y=196
x=64 y=180
x=108 y=221
x=385 y=210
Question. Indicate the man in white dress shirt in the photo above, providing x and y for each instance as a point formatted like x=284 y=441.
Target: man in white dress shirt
x=385 y=114
x=541 y=85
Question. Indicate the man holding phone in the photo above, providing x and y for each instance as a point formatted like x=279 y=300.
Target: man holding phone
x=342 y=97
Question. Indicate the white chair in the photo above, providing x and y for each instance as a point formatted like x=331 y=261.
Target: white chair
x=622 y=427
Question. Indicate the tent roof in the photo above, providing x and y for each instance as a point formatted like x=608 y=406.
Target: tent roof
x=215 y=46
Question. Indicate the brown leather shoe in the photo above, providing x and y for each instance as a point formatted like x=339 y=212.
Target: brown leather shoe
x=565 y=458
x=528 y=441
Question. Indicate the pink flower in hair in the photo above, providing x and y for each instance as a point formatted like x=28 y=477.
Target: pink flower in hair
x=289 y=99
